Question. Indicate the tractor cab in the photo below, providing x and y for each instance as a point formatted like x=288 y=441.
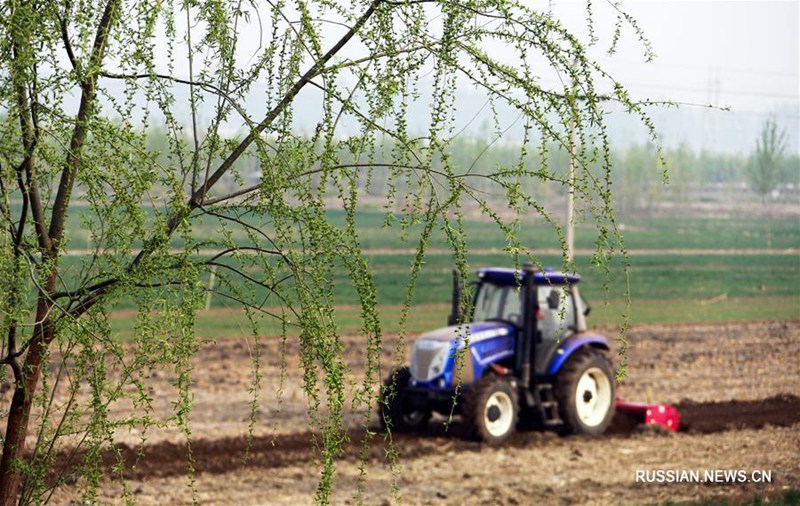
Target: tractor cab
x=519 y=352
x=557 y=308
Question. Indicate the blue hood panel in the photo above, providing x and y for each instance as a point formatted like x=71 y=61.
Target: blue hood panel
x=496 y=342
x=489 y=342
x=473 y=332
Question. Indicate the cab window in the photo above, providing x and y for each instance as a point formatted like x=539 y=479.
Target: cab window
x=497 y=302
x=557 y=312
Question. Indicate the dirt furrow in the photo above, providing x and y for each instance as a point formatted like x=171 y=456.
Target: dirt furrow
x=227 y=454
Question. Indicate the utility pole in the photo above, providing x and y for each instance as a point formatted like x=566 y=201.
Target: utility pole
x=573 y=143
x=573 y=140
x=580 y=317
x=210 y=293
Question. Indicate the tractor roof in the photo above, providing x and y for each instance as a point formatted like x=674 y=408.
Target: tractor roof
x=505 y=276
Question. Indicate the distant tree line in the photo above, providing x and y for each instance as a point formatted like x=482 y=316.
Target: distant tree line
x=768 y=173
x=638 y=176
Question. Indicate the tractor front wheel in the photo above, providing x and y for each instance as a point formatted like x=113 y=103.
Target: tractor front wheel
x=585 y=392
x=491 y=409
x=395 y=410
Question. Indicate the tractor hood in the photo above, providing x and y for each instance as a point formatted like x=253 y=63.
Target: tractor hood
x=433 y=353
x=471 y=332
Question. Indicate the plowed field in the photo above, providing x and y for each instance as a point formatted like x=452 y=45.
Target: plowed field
x=736 y=386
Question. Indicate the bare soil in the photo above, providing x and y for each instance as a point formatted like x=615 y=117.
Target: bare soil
x=736 y=386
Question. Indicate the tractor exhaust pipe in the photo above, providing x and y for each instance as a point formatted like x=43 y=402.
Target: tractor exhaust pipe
x=525 y=345
x=455 y=313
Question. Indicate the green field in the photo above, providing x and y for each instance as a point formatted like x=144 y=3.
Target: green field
x=639 y=232
x=680 y=273
x=220 y=323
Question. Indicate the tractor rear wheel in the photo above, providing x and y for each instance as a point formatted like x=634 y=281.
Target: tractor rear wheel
x=585 y=392
x=394 y=408
x=491 y=409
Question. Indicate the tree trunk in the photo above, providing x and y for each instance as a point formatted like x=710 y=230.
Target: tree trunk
x=11 y=476
x=17 y=429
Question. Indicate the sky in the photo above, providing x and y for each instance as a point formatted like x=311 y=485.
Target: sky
x=742 y=55
x=739 y=54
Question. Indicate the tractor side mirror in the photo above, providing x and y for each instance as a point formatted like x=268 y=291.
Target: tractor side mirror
x=553 y=300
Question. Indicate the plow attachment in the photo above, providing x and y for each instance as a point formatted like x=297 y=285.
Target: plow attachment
x=663 y=415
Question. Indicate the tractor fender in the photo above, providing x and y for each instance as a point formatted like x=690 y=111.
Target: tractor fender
x=572 y=344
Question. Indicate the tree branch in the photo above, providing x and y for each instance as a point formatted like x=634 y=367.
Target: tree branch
x=62 y=21
x=189 y=82
x=198 y=196
x=6 y=211
x=70 y=170
x=29 y=141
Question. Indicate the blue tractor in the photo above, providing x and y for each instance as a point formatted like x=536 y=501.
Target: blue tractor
x=522 y=356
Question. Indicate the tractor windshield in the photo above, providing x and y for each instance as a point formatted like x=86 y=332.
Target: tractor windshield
x=498 y=302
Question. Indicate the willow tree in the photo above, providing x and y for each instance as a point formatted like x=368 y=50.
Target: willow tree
x=93 y=217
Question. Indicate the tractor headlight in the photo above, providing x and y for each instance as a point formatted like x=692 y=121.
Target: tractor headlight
x=439 y=362
x=429 y=359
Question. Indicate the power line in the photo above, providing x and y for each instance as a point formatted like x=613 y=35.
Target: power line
x=657 y=64
x=718 y=92
x=721 y=91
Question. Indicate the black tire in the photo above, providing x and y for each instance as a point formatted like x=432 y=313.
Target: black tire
x=591 y=411
x=395 y=411
x=491 y=409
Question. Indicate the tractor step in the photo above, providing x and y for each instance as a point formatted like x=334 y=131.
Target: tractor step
x=547 y=404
